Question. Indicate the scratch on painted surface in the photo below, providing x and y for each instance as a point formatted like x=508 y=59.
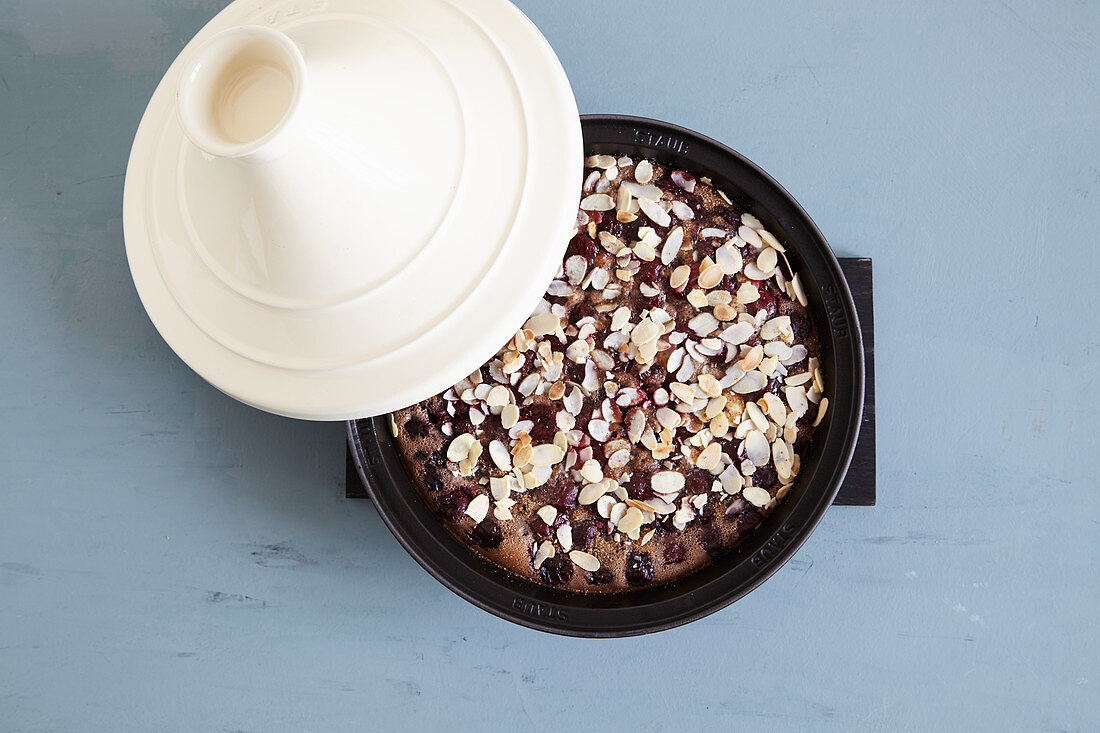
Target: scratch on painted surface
x=279 y=556
x=1040 y=412
x=217 y=597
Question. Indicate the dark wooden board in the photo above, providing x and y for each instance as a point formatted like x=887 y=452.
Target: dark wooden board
x=859 y=485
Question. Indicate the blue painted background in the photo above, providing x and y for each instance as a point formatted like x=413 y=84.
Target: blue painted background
x=171 y=560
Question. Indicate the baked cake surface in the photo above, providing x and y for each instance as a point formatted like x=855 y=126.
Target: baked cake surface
x=653 y=409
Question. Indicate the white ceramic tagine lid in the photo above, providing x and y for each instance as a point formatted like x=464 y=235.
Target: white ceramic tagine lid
x=337 y=208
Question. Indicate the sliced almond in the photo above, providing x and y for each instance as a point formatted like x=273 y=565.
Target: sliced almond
x=667 y=482
x=459 y=448
x=630 y=521
x=542 y=324
x=598 y=202
x=499 y=453
x=478 y=507
x=709 y=385
x=710 y=457
x=584 y=561
x=547 y=454
x=651 y=209
x=672 y=245
x=756 y=495
x=591 y=493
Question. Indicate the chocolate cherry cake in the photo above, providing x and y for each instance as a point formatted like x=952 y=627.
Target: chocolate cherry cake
x=652 y=410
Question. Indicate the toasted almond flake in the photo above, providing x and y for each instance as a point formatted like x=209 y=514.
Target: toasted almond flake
x=756 y=447
x=749 y=235
x=697 y=298
x=821 y=408
x=545 y=552
x=769 y=239
x=599 y=161
x=672 y=245
x=647 y=537
x=620 y=318
x=796 y=399
x=498 y=396
x=564 y=534
x=542 y=324
x=652 y=210
x=598 y=202
x=720 y=425
x=683 y=392
x=775 y=328
x=767 y=259
x=703 y=324
x=459 y=448
x=728 y=259
x=710 y=457
x=710 y=386
x=799 y=293
x=604 y=505
x=523 y=456
x=682 y=211
x=619 y=459
x=622 y=200
x=645 y=252
x=630 y=521
x=725 y=312
x=548 y=514
x=668 y=418
x=715 y=406
x=599 y=430
x=584 y=561
x=667 y=482
x=499 y=487
x=750 y=221
x=747 y=293
x=776 y=410
x=755 y=273
x=753 y=358
x=738 y=333
x=731 y=480
x=756 y=415
x=753 y=381
x=635 y=425
x=499 y=453
x=796 y=379
x=643 y=172
x=645 y=332
x=574 y=401
x=478 y=507
x=782 y=460
x=617 y=512
x=643 y=191
x=557 y=389
x=710 y=277
x=591 y=471
x=756 y=495
x=591 y=493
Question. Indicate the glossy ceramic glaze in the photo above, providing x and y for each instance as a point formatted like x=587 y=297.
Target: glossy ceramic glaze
x=335 y=213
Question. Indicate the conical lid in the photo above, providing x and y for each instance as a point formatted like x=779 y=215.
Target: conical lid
x=336 y=208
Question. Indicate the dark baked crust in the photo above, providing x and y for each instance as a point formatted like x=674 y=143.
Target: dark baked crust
x=624 y=401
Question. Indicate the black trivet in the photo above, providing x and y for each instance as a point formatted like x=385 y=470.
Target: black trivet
x=858 y=488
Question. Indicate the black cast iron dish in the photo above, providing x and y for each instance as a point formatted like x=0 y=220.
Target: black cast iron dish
x=763 y=551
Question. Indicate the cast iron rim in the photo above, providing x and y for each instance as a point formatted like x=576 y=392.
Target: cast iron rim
x=760 y=554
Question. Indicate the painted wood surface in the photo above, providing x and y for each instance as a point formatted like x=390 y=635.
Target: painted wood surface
x=171 y=560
